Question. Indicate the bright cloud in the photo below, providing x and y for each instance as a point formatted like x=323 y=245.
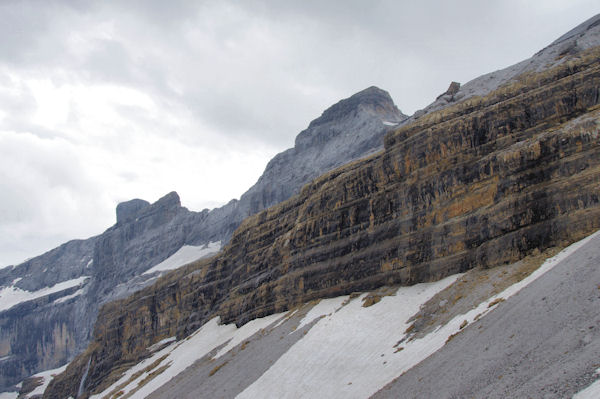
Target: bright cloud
x=102 y=102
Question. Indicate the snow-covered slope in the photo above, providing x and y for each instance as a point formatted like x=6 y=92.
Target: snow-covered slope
x=12 y=295
x=337 y=324
x=185 y=255
x=345 y=347
x=544 y=341
x=45 y=377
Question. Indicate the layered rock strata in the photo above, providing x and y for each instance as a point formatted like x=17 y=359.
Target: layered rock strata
x=145 y=234
x=482 y=182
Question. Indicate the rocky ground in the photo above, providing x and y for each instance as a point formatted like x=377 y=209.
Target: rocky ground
x=543 y=342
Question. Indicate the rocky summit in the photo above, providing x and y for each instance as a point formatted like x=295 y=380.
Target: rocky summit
x=42 y=331
x=495 y=171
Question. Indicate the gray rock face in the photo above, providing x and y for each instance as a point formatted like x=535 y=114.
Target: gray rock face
x=68 y=261
x=59 y=326
x=129 y=210
x=348 y=130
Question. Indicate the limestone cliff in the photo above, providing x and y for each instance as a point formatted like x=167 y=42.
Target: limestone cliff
x=483 y=181
x=59 y=326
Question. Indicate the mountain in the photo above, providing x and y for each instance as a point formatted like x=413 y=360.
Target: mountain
x=495 y=175
x=485 y=323
x=48 y=305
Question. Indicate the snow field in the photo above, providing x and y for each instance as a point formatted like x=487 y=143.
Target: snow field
x=181 y=354
x=348 y=353
x=323 y=308
x=47 y=376
x=11 y=296
x=185 y=255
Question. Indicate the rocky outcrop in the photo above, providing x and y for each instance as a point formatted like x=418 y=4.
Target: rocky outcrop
x=68 y=261
x=128 y=210
x=348 y=130
x=448 y=95
x=46 y=333
x=480 y=183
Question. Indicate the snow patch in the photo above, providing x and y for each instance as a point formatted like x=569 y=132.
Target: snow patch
x=11 y=296
x=180 y=355
x=46 y=376
x=9 y=395
x=387 y=123
x=350 y=352
x=67 y=297
x=160 y=343
x=591 y=392
x=323 y=308
x=185 y=255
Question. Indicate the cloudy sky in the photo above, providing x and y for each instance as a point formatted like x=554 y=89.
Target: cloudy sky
x=106 y=101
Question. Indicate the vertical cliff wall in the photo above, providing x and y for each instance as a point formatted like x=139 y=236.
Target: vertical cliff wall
x=482 y=182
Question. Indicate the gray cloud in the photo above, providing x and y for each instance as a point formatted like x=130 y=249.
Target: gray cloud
x=106 y=101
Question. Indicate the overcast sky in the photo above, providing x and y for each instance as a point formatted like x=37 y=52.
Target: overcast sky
x=105 y=101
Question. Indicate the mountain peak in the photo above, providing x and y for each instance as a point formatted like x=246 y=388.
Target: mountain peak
x=132 y=209
x=170 y=200
x=372 y=99
x=129 y=209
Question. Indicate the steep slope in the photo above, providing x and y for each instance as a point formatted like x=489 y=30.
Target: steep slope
x=482 y=182
x=543 y=341
x=59 y=325
x=351 y=346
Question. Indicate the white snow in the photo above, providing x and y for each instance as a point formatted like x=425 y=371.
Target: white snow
x=9 y=395
x=47 y=376
x=325 y=307
x=184 y=353
x=162 y=342
x=349 y=353
x=67 y=297
x=387 y=123
x=185 y=255
x=591 y=392
x=11 y=296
